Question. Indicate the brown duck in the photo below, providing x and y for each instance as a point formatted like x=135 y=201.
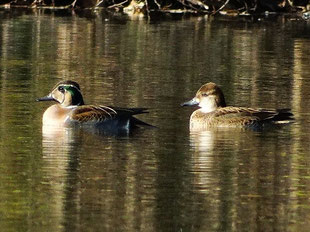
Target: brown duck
x=214 y=112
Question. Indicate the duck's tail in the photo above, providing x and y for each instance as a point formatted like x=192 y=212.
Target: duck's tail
x=283 y=116
x=137 y=123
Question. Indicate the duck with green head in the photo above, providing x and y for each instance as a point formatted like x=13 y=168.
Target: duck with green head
x=71 y=110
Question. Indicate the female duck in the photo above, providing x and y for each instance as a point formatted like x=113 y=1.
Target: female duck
x=71 y=110
x=213 y=112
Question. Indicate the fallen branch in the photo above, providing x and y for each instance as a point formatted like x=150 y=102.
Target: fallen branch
x=219 y=9
x=192 y=4
x=99 y=3
x=117 y=4
x=158 y=5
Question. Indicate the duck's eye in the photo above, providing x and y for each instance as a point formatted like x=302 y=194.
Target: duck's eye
x=61 y=89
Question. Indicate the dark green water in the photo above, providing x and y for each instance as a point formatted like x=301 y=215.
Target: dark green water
x=166 y=179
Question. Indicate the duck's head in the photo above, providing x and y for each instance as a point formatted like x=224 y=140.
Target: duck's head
x=67 y=93
x=209 y=97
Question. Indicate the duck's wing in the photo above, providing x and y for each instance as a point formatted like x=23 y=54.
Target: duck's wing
x=129 y=111
x=235 y=116
x=283 y=116
x=274 y=115
x=248 y=116
x=87 y=113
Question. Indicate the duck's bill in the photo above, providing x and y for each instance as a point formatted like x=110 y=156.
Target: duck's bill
x=192 y=102
x=46 y=98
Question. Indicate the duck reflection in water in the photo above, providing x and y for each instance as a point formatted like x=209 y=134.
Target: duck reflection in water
x=70 y=110
x=212 y=146
x=214 y=112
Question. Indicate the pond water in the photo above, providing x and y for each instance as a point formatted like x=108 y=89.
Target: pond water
x=163 y=179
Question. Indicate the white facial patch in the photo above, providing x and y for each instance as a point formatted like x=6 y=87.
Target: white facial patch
x=208 y=104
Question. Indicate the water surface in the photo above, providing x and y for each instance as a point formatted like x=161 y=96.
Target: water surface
x=164 y=179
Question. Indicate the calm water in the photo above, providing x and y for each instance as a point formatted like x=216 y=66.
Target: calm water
x=165 y=179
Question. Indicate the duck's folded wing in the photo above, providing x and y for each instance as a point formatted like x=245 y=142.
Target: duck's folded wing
x=89 y=113
x=274 y=115
x=245 y=116
x=129 y=111
x=234 y=116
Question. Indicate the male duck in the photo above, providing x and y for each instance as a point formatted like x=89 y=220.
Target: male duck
x=213 y=112
x=71 y=110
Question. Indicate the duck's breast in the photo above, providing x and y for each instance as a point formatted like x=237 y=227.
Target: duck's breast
x=56 y=115
x=200 y=120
